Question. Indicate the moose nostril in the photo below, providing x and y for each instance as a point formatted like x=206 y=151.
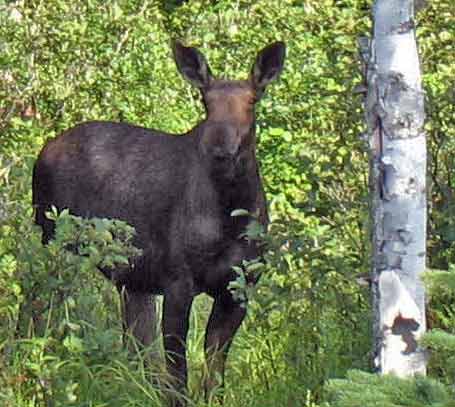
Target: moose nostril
x=223 y=157
x=220 y=154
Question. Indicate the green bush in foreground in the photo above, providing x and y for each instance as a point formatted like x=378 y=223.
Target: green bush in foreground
x=64 y=344
x=361 y=389
x=440 y=341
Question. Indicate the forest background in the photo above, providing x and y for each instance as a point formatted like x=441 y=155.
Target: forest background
x=309 y=320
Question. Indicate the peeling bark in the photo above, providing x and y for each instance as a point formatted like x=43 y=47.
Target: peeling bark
x=395 y=118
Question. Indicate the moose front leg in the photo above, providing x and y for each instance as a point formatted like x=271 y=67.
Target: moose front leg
x=225 y=319
x=176 y=311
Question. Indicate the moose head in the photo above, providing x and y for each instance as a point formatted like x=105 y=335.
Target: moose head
x=227 y=136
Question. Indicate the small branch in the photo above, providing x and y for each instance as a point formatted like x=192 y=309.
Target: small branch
x=122 y=41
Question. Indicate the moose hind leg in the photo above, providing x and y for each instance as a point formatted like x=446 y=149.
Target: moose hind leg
x=224 y=320
x=47 y=225
x=139 y=317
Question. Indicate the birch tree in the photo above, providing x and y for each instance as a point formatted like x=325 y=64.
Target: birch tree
x=395 y=117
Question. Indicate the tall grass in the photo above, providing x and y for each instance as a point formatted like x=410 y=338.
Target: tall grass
x=92 y=368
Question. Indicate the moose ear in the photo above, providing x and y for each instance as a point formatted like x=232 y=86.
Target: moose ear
x=268 y=65
x=192 y=65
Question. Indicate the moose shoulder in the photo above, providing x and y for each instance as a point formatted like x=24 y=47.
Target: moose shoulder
x=178 y=192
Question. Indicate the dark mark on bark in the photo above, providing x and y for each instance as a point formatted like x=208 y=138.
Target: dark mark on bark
x=406 y=327
x=405 y=236
x=405 y=27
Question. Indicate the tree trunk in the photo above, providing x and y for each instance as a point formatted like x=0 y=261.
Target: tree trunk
x=395 y=116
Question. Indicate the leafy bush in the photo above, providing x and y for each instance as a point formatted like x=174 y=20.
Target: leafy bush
x=441 y=343
x=362 y=389
x=63 y=345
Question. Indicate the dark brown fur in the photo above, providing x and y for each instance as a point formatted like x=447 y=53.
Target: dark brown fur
x=178 y=192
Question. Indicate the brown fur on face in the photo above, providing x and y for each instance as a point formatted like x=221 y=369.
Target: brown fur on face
x=230 y=101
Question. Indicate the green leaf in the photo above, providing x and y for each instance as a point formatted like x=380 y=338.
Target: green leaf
x=73 y=344
x=274 y=131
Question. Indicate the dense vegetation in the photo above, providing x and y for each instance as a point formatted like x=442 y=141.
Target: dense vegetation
x=65 y=62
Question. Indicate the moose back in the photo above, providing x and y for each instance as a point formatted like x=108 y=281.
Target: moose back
x=178 y=192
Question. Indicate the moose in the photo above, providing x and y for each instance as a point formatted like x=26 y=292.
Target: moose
x=178 y=191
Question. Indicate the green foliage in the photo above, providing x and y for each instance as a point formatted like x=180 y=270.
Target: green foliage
x=361 y=389
x=436 y=35
x=441 y=289
x=440 y=282
x=46 y=275
x=441 y=346
x=441 y=343
x=63 y=345
x=103 y=243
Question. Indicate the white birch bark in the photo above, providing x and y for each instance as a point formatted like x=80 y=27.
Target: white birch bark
x=395 y=116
